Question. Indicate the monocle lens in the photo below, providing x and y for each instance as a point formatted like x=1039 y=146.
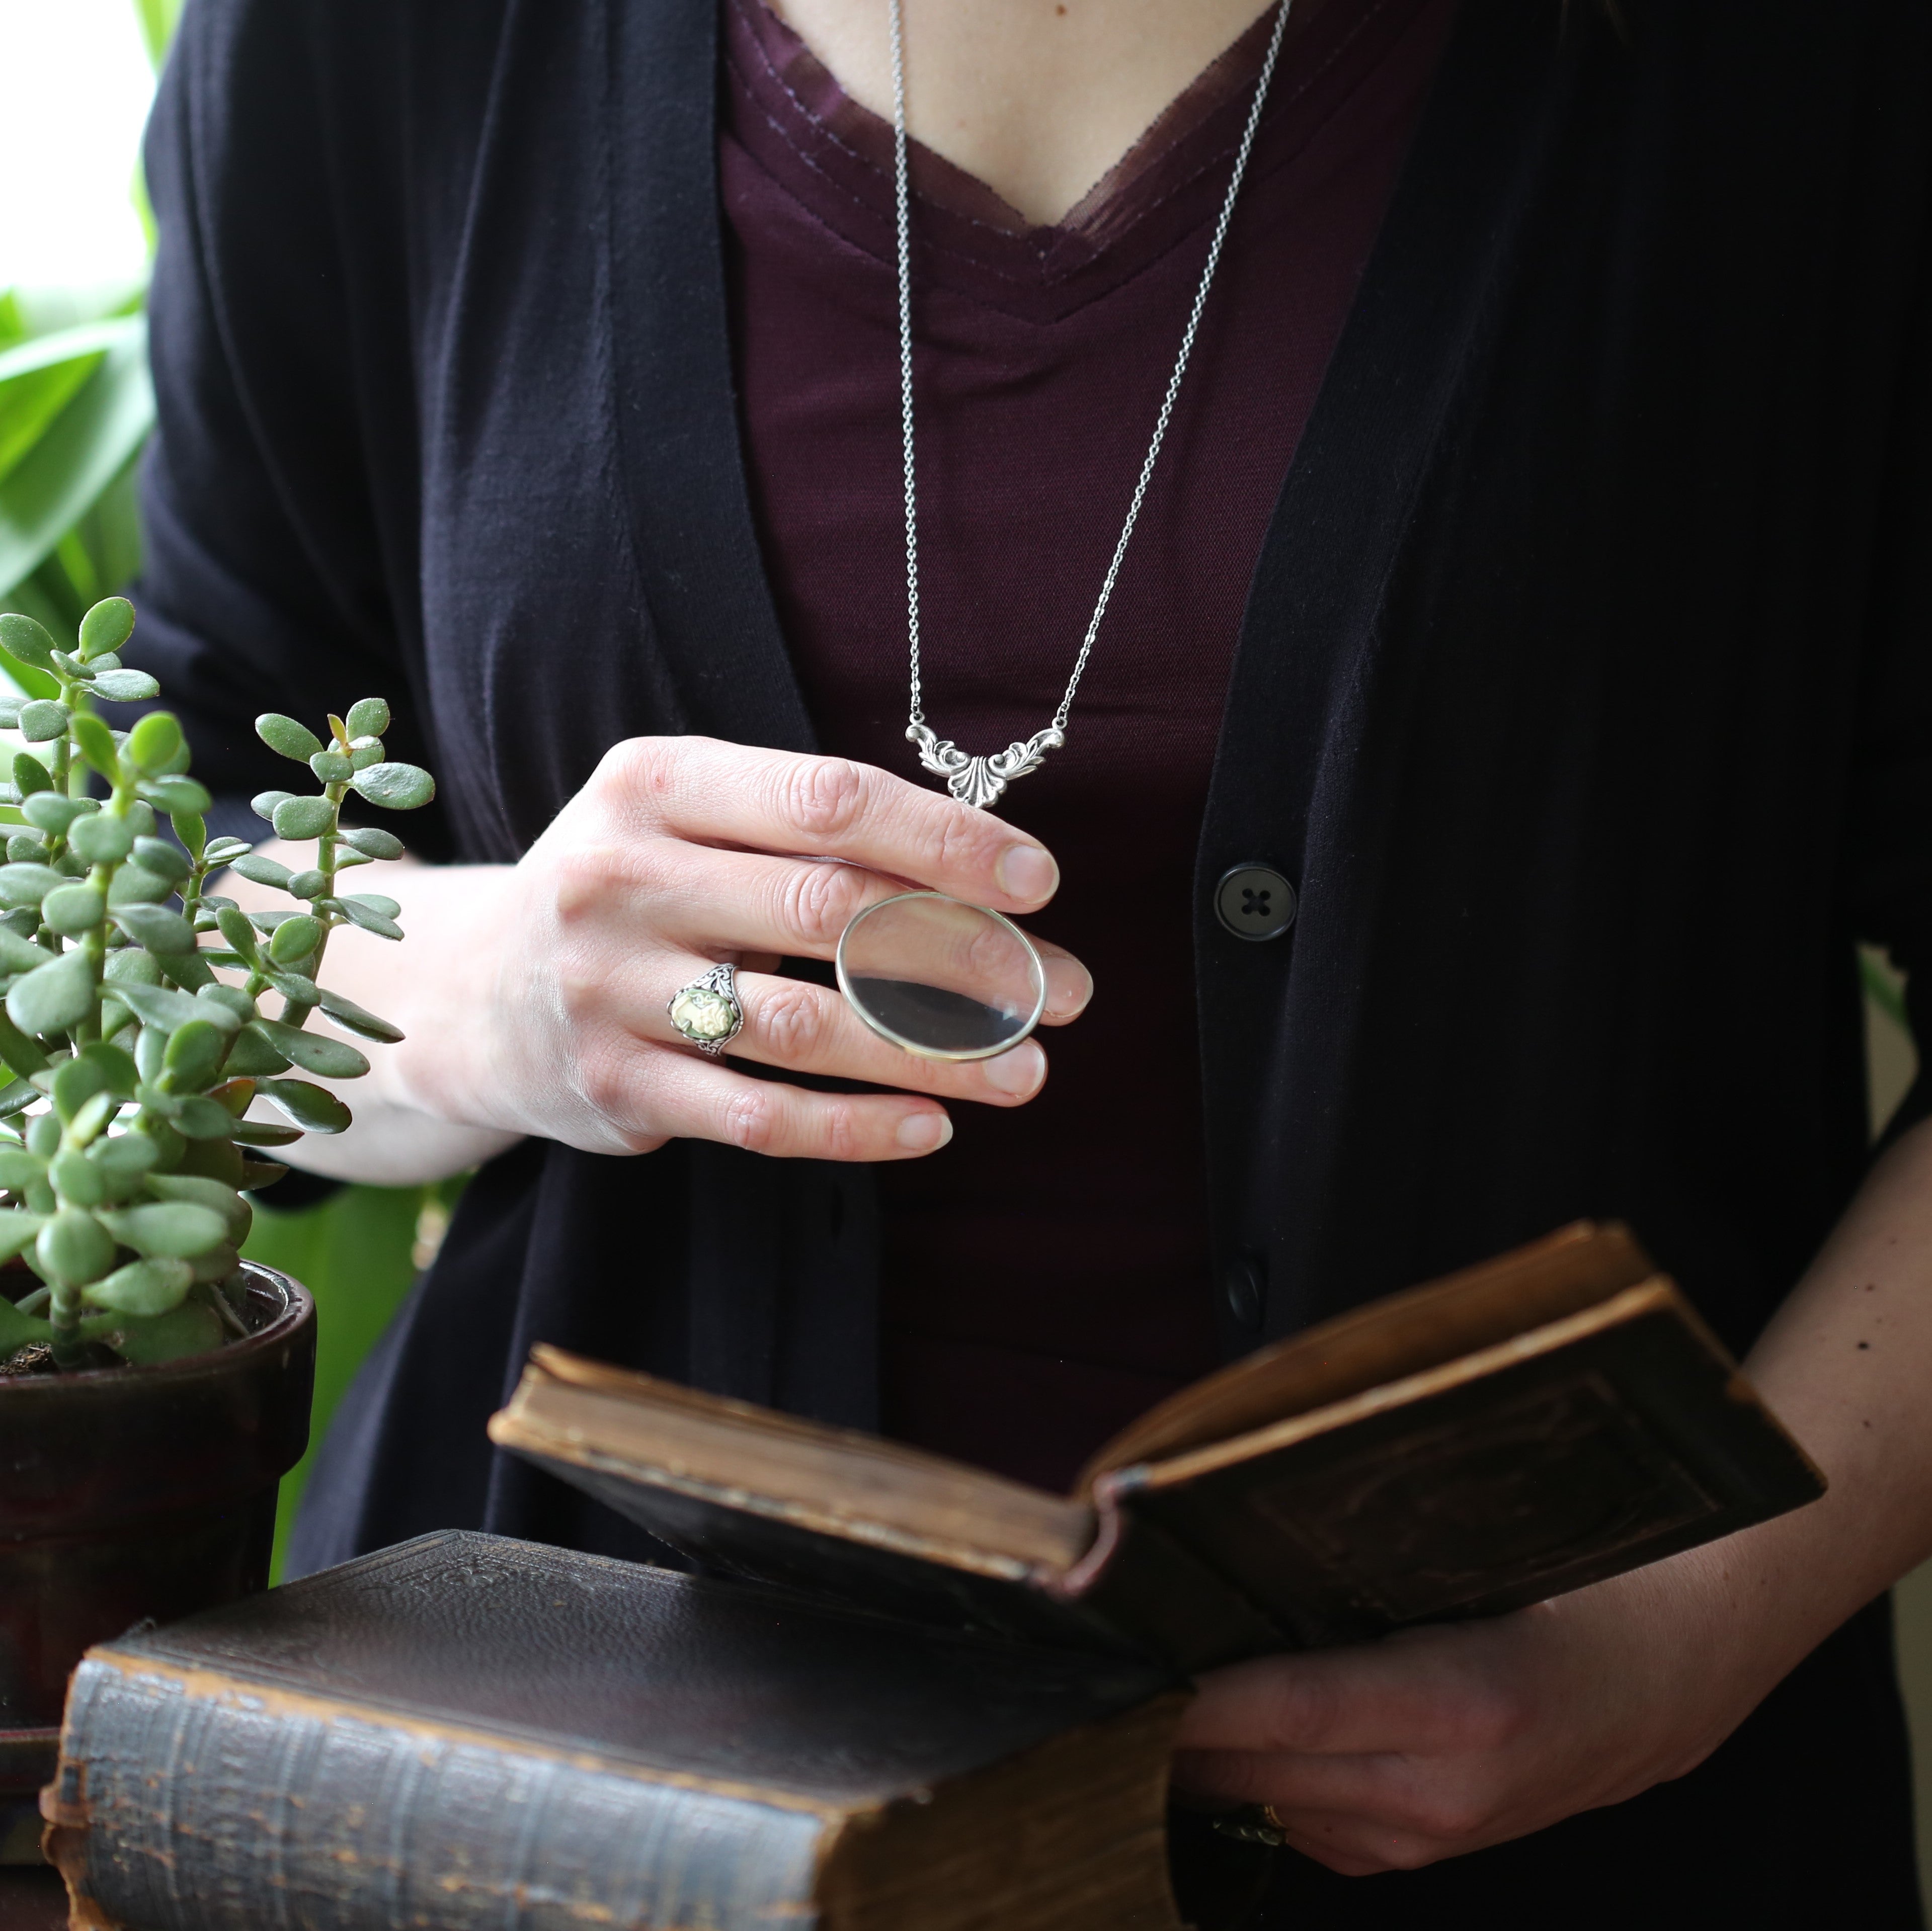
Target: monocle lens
x=941 y=978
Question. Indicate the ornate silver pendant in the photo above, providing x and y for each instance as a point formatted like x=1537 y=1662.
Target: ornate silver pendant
x=980 y=781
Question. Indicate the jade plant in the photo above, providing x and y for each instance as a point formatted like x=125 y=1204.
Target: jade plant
x=137 y=1030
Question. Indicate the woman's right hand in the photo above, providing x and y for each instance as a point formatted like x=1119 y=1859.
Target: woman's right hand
x=534 y=995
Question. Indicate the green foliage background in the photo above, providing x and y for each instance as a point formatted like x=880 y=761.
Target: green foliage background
x=75 y=410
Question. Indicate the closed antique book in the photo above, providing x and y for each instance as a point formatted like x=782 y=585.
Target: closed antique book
x=467 y=1731
x=1546 y=1420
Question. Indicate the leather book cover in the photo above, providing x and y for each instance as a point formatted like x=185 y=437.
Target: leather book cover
x=1594 y=1445
x=466 y=1731
x=1548 y=1419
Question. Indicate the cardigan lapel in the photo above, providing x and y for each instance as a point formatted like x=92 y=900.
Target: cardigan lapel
x=1314 y=676
x=704 y=585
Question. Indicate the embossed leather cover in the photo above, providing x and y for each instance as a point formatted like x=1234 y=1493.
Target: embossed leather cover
x=1590 y=1446
x=466 y=1731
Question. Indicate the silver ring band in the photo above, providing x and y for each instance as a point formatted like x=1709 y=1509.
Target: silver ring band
x=707 y=1012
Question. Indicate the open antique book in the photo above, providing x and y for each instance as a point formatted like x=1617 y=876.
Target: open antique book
x=906 y=1695
x=1542 y=1421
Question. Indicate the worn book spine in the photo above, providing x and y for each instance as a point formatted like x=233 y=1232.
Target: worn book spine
x=186 y=1801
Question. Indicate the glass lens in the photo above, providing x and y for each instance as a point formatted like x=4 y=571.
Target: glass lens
x=942 y=979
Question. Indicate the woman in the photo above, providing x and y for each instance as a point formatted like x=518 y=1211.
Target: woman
x=1531 y=581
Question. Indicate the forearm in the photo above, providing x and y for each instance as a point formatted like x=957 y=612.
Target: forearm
x=411 y=1124
x=1846 y=1366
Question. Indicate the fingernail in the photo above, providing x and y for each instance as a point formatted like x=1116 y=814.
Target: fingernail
x=1069 y=986
x=1018 y=1072
x=924 y=1132
x=1027 y=873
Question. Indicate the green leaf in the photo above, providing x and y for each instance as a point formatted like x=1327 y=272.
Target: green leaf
x=142 y=1288
x=76 y=456
x=101 y=839
x=17 y=1096
x=264 y=872
x=27 y=885
x=346 y=1012
x=294 y=939
x=163 y=859
x=296 y=987
x=19 y=954
x=364 y=752
x=304 y=818
x=26 y=641
x=332 y=1059
x=331 y=767
x=39 y=378
x=373 y=842
x=199 y=1117
x=17 y=1329
x=190 y=971
x=106 y=628
x=117 y=1066
x=123 y=1159
x=225 y=851
x=192 y=1329
x=256 y=1174
x=292 y=740
x=310 y=884
x=159 y=1006
x=75 y=1081
x=154 y=926
x=180 y=1227
x=18 y=1229
x=74 y=909
x=124 y=687
x=237 y=931
x=359 y=913
x=19 y=1051
x=135 y=885
x=153 y=742
x=265 y=804
x=263 y=1133
x=374 y=901
x=75 y=1247
x=311 y=1107
x=53 y=996
x=128 y=965
x=20 y=1169
x=43 y=721
x=194 y=1055
x=76 y=1179
x=236 y=1212
x=50 y=812
x=176 y=794
x=31 y=777
x=396 y=787
x=368 y=717
x=95 y=742
x=191 y=828
x=252 y=1057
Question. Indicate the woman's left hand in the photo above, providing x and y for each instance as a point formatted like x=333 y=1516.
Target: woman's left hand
x=1443 y=1739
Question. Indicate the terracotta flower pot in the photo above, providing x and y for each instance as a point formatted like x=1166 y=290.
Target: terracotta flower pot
x=134 y=1492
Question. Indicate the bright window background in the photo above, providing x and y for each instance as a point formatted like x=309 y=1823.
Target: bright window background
x=75 y=86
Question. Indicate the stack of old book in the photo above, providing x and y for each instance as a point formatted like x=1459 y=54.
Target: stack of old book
x=898 y=1694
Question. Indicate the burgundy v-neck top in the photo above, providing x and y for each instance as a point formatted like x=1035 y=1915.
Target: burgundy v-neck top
x=1046 y=1276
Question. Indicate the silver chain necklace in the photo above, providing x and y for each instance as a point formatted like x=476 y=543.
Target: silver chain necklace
x=980 y=780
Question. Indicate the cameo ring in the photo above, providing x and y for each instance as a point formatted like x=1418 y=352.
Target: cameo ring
x=707 y=1011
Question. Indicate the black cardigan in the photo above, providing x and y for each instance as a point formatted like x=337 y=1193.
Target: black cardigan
x=1584 y=689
